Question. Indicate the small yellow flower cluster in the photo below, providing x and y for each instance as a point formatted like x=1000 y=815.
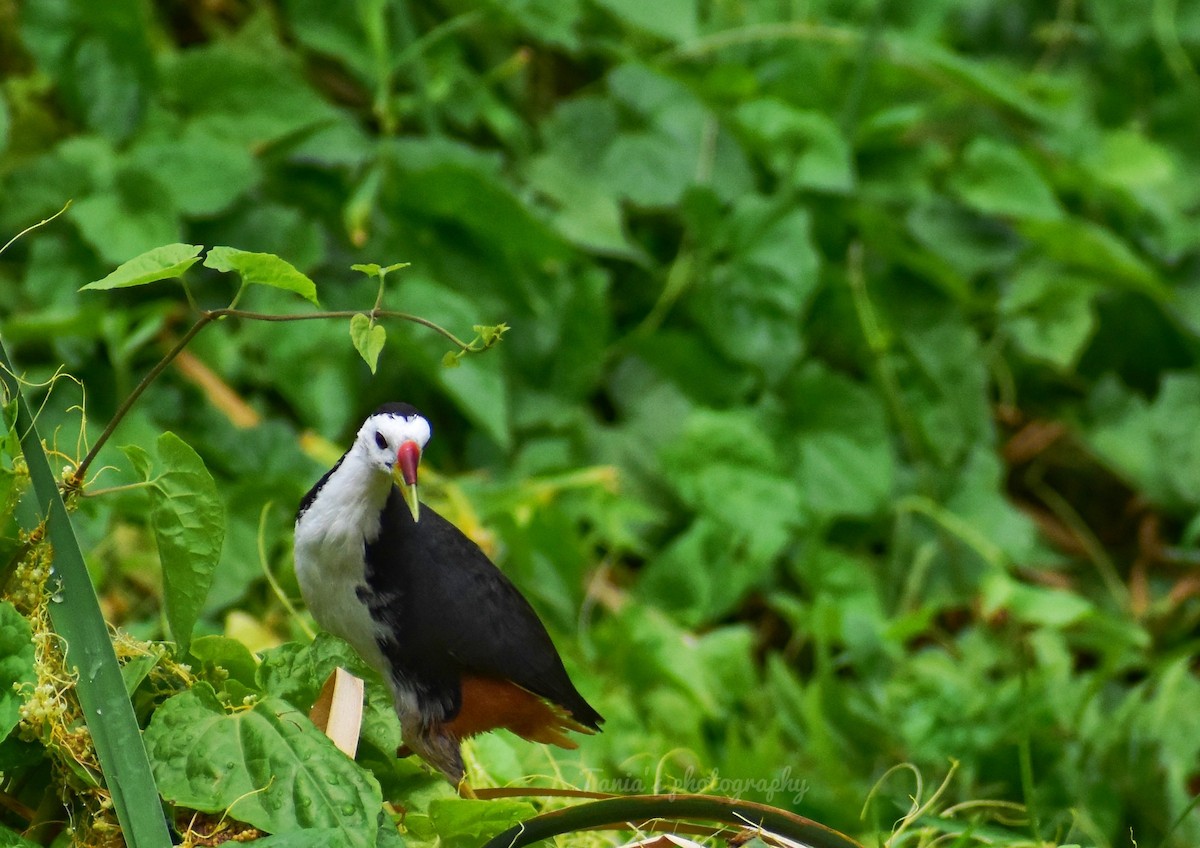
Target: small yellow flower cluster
x=47 y=709
x=43 y=709
x=26 y=588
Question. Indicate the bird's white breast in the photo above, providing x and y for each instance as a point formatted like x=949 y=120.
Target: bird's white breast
x=330 y=556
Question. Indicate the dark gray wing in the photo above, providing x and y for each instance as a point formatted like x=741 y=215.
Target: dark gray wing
x=451 y=611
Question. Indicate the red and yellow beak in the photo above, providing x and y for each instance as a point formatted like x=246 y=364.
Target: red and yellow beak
x=408 y=457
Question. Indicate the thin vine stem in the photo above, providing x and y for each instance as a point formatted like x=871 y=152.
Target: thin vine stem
x=209 y=316
x=76 y=481
x=341 y=313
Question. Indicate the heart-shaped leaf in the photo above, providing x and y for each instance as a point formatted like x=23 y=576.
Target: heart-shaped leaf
x=368 y=338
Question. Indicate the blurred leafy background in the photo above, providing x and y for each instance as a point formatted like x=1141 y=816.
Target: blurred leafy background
x=849 y=413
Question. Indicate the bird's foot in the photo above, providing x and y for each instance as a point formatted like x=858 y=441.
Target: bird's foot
x=464 y=788
x=404 y=751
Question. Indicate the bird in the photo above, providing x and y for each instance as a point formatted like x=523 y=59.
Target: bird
x=461 y=649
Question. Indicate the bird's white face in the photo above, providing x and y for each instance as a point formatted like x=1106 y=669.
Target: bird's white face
x=393 y=443
x=381 y=436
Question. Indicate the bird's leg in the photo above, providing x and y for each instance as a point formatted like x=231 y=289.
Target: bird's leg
x=441 y=749
x=464 y=788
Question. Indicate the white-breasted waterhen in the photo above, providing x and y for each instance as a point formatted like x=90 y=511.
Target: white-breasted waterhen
x=460 y=647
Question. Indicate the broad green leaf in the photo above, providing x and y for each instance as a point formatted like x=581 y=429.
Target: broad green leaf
x=132 y=217
x=988 y=82
x=585 y=209
x=189 y=528
x=804 y=145
x=677 y=142
x=262 y=269
x=140 y=459
x=135 y=669
x=16 y=664
x=188 y=519
x=751 y=306
x=997 y=179
x=248 y=91
x=980 y=498
x=266 y=765
x=12 y=839
x=462 y=189
x=944 y=384
x=161 y=263
x=368 y=339
x=466 y=823
x=207 y=172
x=673 y=20
x=297 y=672
x=726 y=470
x=846 y=466
x=1088 y=246
x=972 y=244
x=1128 y=159
x=1152 y=445
x=1050 y=313
x=105 y=77
x=1039 y=605
x=229 y=654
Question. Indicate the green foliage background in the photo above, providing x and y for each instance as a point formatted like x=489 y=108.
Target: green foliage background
x=884 y=316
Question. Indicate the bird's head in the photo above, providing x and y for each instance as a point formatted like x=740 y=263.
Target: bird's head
x=392 y=440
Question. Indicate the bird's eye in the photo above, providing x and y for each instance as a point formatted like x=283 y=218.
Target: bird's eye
x=380 y=441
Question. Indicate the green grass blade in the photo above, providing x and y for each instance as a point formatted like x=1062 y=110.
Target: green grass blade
x=619 y=812
x=75 y=614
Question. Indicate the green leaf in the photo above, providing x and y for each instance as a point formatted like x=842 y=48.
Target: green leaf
x=229 y=654
x=586 y=211
x=297 y=672
x=207 y=173
x=131 y=217
x=997 y=179
x=751 y=305
x=262 y=269
x=846 y=466
x=1036 y=605
x=188 y=519
x=16 y=664
x=1129 y=160
x=369 y=339
x=1152 y=445
x=373 y=270
x=12 y=839
x=161 y=263
x=1087 y=246
x=673 y=20
x=467 y=822
x=1050 y=313
x=245 y=89
x=726 y=469
x=267 y=765
x=805 y=145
